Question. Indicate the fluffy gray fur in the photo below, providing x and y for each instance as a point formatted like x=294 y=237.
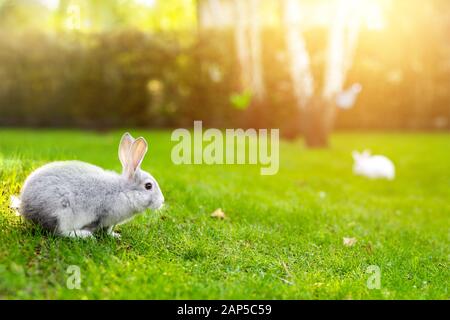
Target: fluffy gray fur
x=73 y=198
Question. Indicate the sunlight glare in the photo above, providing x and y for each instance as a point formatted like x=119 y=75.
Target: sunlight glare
x=73 y=21
x=374 y=17
x=370 y=12
x=50 y=4
x=147 y=3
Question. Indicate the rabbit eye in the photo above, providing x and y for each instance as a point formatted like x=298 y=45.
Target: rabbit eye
x=148 y=186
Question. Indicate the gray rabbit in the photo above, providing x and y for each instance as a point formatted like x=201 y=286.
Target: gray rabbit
x=75 y=199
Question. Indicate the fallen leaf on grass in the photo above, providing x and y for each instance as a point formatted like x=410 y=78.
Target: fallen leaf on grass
x=348 y=242
x=218 y=213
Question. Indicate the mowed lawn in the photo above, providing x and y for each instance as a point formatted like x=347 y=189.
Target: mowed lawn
x=282 y=239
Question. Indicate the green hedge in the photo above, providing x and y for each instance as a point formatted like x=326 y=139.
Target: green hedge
x=130 y=78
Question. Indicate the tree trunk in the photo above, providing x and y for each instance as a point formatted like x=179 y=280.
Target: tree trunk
x=247 y=34
x=317 y=121
x=299 y=67
x=320 y=114
x=257 y=79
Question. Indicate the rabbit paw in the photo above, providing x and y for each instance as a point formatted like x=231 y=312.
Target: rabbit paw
x=113 y=234
x=79 y=234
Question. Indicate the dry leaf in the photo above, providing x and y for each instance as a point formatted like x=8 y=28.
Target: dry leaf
x=218 y=213
x=349 y=242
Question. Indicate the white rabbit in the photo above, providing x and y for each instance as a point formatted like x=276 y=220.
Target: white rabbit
x=373 y=167
x=75 y=199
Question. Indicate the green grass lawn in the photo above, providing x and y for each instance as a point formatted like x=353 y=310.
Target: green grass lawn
x=283 y=238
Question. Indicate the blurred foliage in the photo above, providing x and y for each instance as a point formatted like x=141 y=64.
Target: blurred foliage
x=111 y=79
x=241 y=100
x=145 y=63
x=97 y=15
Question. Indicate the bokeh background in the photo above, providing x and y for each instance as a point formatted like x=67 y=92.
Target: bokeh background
x=153 y=63
x=348 y=74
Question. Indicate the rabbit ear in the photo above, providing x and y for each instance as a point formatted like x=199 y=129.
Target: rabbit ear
x=124 y=148
x=136 y=155
x=366 y=153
